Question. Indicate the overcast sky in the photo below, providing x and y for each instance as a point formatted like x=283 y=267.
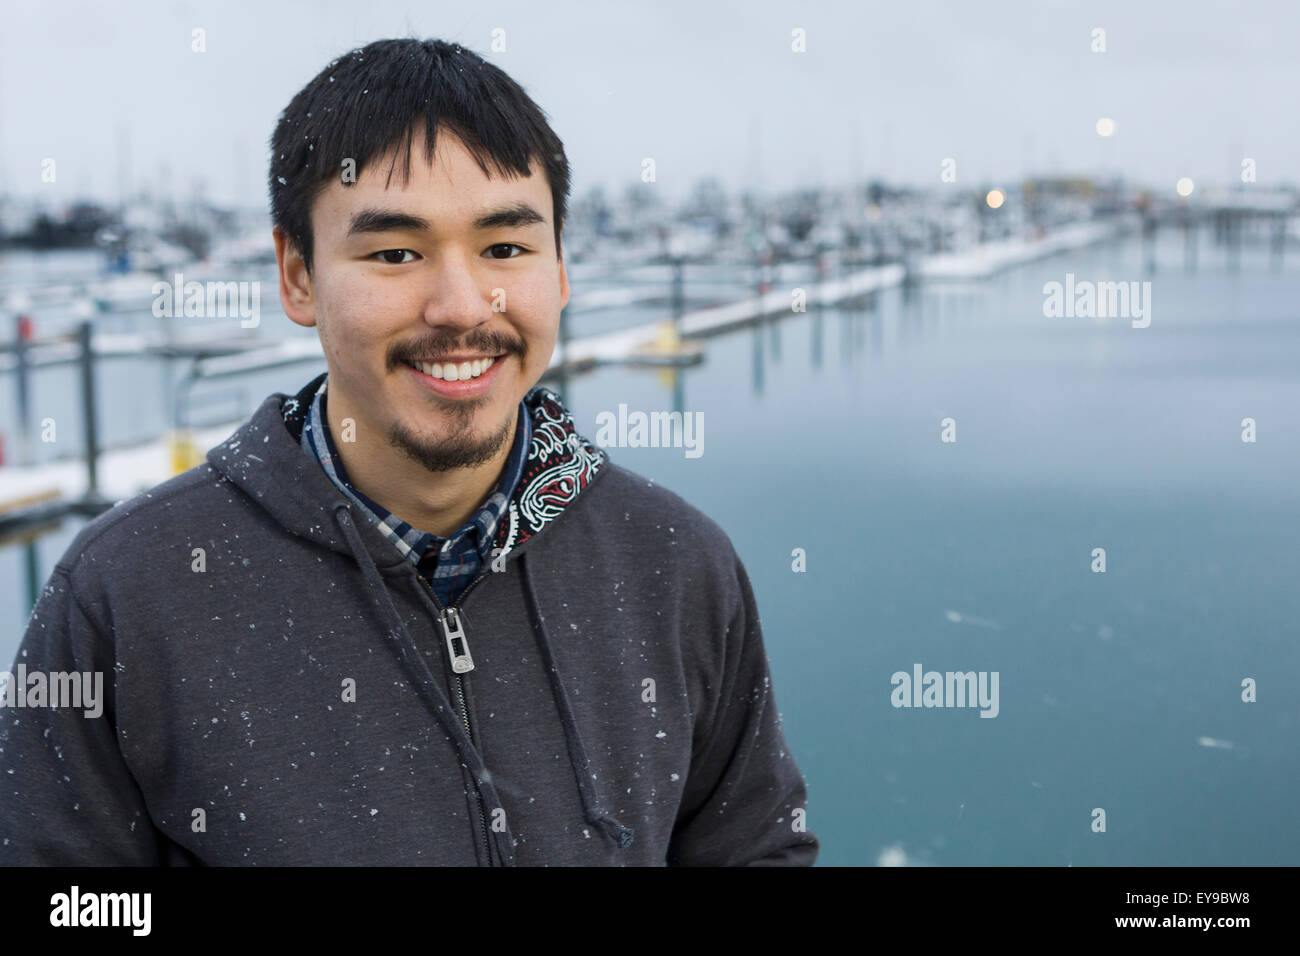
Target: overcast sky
x=703 y=87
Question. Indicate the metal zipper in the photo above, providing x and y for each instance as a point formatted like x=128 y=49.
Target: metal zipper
x=461 y=663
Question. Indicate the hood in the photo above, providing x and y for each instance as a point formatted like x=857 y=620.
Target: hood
x=265 y=459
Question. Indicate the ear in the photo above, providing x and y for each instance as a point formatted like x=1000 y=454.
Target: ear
x=295 y=281
x=564 y=285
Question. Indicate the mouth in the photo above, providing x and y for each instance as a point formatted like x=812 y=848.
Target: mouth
x=457 y=370
x=458 y=376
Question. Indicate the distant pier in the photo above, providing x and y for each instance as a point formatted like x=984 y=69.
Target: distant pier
x=33 y=495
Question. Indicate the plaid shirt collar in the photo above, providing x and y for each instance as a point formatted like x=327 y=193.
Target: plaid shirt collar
x=412 y=543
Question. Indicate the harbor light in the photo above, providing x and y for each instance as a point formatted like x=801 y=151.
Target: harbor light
x=1105 y=126
x=1185 y=186
x=995 y=198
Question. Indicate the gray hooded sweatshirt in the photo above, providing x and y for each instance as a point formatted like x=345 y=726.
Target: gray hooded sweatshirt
x=281 y=687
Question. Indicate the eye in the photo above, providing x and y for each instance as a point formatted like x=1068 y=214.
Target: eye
x=385 y=256
x=507 y=245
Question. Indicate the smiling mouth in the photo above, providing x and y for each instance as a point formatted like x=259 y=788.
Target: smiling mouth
x=457 y=371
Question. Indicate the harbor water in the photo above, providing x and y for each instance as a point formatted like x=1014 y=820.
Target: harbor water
x=822 y=446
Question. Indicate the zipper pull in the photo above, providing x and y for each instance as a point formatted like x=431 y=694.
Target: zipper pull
x=457 y=644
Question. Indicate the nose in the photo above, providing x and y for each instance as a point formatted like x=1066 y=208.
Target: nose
x=456 y=299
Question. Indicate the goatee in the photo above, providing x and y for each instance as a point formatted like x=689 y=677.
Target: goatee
x=464 y=449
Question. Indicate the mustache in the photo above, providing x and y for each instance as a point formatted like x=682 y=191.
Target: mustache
x=434 y=348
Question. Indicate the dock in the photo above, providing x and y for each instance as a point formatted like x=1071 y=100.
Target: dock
x=987 y=259
x=31 y=493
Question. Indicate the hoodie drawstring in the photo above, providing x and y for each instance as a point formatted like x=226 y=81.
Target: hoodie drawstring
x=620 y=834
x=596 y=815
x=419 y=669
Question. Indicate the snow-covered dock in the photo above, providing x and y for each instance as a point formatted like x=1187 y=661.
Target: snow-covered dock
x=126 y=471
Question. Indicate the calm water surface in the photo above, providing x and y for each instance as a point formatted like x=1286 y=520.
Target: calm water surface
x=822 y=432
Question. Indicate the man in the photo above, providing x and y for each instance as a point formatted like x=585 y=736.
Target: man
x=408 y=615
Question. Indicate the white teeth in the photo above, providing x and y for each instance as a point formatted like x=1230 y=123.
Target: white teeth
x=451 y=372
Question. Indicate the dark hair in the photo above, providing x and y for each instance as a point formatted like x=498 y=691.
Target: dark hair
x=368 y=102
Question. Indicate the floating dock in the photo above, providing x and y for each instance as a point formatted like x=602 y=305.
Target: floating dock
x=124 y=472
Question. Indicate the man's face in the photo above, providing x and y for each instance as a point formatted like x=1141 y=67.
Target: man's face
x=448 y=272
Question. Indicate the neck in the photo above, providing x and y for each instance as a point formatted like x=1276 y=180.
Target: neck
x=437 y=502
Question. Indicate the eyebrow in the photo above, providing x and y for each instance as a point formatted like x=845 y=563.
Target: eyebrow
x=386 y=220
